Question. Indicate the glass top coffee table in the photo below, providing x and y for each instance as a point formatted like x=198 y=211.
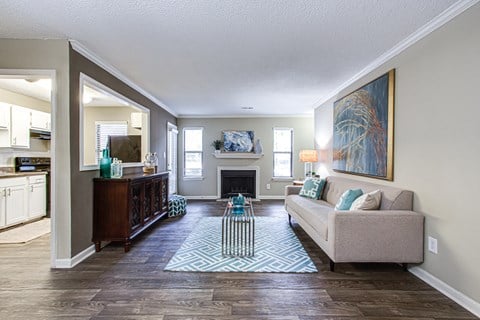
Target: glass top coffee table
x=238 y=230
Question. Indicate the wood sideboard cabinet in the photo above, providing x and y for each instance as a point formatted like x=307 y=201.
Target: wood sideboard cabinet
x=123 y=208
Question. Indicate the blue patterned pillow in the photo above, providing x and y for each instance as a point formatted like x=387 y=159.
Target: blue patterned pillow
x=312 y=188
x=347 y=198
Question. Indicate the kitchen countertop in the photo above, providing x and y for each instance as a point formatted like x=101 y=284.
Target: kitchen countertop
x=4 y=175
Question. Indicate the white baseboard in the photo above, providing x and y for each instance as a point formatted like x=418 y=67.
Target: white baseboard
x=201 y=197
x=216 y=198
x=271 y=197
x=70 y=263
x=466 y=302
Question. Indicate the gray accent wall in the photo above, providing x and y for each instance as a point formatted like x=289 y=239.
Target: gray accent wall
x=263 y=127
x=436 y=147
x=82 y=189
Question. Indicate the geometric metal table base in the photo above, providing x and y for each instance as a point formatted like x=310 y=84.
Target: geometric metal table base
x=238 y=231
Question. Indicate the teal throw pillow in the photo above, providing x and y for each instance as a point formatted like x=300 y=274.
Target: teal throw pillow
x=312 y=188
x=347 y=198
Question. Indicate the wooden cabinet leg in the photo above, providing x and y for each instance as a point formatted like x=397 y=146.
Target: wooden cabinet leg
x=127 y=245
x=332 y=265
x=98 y=246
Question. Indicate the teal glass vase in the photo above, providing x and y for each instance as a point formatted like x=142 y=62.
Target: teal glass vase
x=238 y=203
x=105 y=164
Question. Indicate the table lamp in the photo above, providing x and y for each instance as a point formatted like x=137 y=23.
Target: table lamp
x=308 y=157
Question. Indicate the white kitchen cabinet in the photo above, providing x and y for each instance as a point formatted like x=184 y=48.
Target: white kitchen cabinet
x=3 y=207
x=4 y=115
x=37 y=196
x=14 y=200
x=4 y=125
x=40 y=120
x=20 y=127
x=136 y=119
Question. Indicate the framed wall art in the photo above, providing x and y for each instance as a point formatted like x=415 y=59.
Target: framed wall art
x=363 y=129
x=238 y=140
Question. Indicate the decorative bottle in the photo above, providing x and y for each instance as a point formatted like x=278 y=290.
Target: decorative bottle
x=105 y=164
x=116 y=170
x=258 y=149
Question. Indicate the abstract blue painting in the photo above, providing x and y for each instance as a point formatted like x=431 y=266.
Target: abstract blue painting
x=363 y=130
x=238 y=140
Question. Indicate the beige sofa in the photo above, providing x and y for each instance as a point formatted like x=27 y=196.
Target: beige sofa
x=394 y=233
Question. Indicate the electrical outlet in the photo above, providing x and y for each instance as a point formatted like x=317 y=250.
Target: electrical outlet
x=432 y=245
x=268 y=186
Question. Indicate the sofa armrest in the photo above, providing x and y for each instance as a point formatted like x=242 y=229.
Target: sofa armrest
x=376 y=236
x=290 y=189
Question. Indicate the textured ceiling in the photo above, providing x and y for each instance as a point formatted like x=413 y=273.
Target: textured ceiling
x=215 y=57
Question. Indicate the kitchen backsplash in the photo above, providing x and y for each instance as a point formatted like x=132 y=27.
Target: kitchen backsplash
x=38 y=148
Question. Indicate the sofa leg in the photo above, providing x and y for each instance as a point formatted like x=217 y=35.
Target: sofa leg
x=290 y=220
x=405 y=267
x=332 y=265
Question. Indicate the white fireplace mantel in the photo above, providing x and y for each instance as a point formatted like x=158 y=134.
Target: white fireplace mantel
x=219 y=177
x=237 y=155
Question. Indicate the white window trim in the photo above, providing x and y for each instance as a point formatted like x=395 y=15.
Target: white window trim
x=278 y=178
x=201 y=176
x=86 y=80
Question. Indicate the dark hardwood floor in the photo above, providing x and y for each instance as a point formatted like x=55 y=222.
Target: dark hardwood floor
x=112 y=284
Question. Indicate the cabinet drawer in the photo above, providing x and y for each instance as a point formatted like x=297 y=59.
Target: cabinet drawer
x=8 y=182
x=37 y=179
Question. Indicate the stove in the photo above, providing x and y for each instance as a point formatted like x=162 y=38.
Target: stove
x=32 y=164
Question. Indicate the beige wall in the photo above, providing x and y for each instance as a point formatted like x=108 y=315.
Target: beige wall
x=436 y=149
x=263 y=127
x=24 y=101
x=52 y=55
x=92 y=114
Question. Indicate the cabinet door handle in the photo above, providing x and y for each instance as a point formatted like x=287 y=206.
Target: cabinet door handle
x=31 y=188
x=4 y=193
x=9 y=192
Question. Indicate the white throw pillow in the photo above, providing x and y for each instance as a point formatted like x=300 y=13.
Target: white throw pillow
x=368 y=201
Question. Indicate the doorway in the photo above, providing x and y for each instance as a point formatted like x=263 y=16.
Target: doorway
x=172 y=133
x=28 y=102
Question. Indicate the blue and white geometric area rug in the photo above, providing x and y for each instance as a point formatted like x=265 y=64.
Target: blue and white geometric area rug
x=277 y=249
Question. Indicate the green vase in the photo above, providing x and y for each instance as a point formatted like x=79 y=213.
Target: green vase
x=105 y=164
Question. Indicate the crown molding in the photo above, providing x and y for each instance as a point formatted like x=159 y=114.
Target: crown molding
x=446 y=16
x=236 y=116
x=80 y=48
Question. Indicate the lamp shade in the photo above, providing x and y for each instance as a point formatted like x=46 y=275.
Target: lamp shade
x=308 y=156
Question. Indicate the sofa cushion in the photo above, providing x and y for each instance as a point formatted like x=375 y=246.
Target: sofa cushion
x=367 y=201
x=347 y=198
x=315 y=212
x=312 y=188
x=392 y=198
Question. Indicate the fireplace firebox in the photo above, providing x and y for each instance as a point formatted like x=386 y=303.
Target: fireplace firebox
x=234 y=182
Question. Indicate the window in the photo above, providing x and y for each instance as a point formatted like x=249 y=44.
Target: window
x=193 y=152
x=103 y=129
x=282 y=152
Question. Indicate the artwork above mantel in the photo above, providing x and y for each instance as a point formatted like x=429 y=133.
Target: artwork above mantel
x=238 y=155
